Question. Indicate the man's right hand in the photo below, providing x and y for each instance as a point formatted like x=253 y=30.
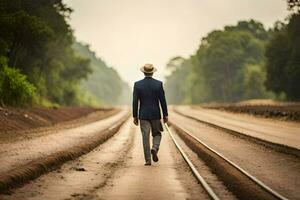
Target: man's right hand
x=166 y=119
x=136 y=121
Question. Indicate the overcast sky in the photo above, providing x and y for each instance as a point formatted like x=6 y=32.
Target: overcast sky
x=128 y=33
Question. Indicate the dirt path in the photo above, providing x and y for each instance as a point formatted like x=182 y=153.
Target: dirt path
x=81 y=178
x=284 y=111
x=279 y=171
x=115 y=170
x=285 y=133
x=162 y=180
x=16 y=119
x=16 y=154
x=28 y=133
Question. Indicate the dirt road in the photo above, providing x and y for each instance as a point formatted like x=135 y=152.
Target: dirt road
x=278 y=170
x=162 y=180
x=279 y=132
x=81 y=177
x=115 y=170
x=33 y=154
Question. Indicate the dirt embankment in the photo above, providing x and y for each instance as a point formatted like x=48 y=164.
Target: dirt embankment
x=15 y=119
x=290 y=112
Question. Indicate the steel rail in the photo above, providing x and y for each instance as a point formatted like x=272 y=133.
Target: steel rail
x=205 y=185
x=251 y=177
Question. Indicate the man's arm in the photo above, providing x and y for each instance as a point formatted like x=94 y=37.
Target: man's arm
x=163 y=103
x=135 y=102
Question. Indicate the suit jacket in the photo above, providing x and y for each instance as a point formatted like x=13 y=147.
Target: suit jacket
x=149 y=93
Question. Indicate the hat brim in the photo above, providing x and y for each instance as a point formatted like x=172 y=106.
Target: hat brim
x=148 y=72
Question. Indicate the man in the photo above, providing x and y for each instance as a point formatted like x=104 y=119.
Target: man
x=148 y=93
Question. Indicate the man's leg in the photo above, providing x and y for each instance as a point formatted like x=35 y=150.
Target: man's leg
x=156 y=141
x=145 y=129
x=156 y=129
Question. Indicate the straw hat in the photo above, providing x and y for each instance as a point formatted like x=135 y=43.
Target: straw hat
x=148 y=69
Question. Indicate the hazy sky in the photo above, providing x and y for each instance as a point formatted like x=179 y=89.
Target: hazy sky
x=128 y=33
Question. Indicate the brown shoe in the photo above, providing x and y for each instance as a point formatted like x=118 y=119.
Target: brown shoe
x=148 y=163
x=154 y=155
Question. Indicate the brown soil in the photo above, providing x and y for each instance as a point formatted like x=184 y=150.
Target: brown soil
x=235 y=181
x=289 y=112
x=115 y=170
x=282 y=136
x=14 y=119
x=27 y=158
x=279 y=171
x=161 y=180
x=82 y=177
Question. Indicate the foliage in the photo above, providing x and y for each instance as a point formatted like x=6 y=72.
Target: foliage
x=254 y=79
x=37 y=40
x=283 y=59
x=104 y=84
x=15 y=89
x=223 y=67
x=293 y=4
x=242 y=62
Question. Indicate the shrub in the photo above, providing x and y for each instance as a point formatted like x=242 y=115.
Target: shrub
x=15 y=89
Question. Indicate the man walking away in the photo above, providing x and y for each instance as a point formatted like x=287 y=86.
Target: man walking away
x=148 y=93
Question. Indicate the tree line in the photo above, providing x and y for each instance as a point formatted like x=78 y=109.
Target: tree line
x=239 y=62
x=39 y=61
x=103 y=85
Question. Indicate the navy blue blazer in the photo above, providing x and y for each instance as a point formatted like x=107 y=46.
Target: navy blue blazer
x=149 y=93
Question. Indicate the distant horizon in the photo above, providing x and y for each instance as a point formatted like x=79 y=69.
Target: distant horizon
x=127 y=41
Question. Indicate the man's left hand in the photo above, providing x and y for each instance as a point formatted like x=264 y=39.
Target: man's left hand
x=166 y=119
x=136 y=121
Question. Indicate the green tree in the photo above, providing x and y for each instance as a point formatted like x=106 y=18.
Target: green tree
x=253 y=27
x=294 y=5
x=14 y=87
x=36 y=39
x=104 y=84
x=175 y=86
x=254 y=82
x=226 y=54
x=283 y=59
x=219 y=71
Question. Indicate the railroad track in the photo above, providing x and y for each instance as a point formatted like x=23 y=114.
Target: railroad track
x=274 y=146
x=241 y=183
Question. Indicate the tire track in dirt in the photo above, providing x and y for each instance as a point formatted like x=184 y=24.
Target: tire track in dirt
x=25 y=172
x=279 y=171
x=80 y=178
x=166 y=179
